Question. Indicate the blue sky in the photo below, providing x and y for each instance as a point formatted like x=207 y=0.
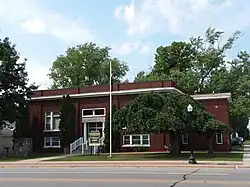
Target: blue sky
x=43 y=29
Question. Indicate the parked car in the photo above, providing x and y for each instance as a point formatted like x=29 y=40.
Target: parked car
x=237 y=141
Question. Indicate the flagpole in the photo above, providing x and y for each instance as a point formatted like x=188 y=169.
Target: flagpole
x=110 y=108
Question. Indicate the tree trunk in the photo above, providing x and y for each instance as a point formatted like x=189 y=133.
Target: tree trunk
x=210 y=144
x=66 y=150
x=175 y=144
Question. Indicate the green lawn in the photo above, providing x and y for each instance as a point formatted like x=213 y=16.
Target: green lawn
x=18 y=158
x=159 y=156
x=247 y=142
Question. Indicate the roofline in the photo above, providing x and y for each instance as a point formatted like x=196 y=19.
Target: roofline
x=212 y=96
x=134 y=91
x=103 y=94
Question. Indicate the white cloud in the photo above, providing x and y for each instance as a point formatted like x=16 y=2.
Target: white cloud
x=130 y=47
x=144 y=49
x=125 y=48
x=31 y=17
x=33 y=26
x=184 y=17
x=38 y=73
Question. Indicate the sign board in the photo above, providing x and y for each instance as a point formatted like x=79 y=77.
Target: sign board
x=94 y=137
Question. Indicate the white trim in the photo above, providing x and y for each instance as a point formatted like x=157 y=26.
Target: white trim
x=136 y=145
x=182 y=139
x=102 y=94
x=136 y=91
x=50 y=141
x=56 y=130
x=93 y=112
x=216 y=137
x=212 y=96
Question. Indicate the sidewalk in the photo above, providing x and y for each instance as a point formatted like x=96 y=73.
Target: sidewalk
x=246 y=156
x=36 y=160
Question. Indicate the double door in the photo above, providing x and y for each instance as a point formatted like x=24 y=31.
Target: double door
x=94 y=127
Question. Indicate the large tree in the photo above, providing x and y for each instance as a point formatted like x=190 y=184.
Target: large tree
x=67 y=122
x=23 y=125
x=201 y=66
x=84 y=65
x=166 y=113
x=14 y=88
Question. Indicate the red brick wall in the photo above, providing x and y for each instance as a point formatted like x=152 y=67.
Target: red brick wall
x=218 y=107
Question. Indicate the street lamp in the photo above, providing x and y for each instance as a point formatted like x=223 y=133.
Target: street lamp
x=191 y=158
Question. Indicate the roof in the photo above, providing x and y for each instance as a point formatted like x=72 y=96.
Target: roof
x=134 y=91
x=212 y=96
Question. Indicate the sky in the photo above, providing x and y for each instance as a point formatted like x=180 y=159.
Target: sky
x=44 y=29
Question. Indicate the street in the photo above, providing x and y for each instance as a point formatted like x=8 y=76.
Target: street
x=123 y=177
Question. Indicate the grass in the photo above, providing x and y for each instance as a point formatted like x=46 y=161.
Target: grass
x=12 y=158
x=247 y=142
x=155 y=156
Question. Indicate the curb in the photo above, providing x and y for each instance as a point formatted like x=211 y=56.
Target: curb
x=200 y=164
x=38 y=165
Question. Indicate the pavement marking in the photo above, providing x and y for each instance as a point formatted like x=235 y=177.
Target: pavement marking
x=70 y=180
x=110 y=172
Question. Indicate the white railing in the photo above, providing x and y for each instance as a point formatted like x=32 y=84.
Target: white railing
x=76 y=144
x=101 y=140
x=84 y=145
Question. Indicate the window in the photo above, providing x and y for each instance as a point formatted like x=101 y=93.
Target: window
x=52 y=142
x=93 y=112
x=126 y=140
x=145 y=139
x=185 y=138
x=87 y=112
x=52 y=120
x=99 y=112
x=136 y=140
x=219 y=138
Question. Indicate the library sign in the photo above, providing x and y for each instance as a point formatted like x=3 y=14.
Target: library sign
x=94 y=137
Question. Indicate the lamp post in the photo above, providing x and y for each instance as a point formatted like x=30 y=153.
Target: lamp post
x=110 y=108
x=191 y=159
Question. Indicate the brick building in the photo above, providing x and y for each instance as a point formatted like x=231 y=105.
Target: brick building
x=92 y=105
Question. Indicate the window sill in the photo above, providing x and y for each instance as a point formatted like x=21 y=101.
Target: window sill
x=92 y=116
x=219 y=143
x=51 y=130
x=53 y=147
x=135 y=145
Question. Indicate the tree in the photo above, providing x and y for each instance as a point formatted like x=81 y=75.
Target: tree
x=14 y=88
x=165 y=113
x=85 y=65
x=23 y=126
x=115 y=131
x=67 y=122
x=201 y=66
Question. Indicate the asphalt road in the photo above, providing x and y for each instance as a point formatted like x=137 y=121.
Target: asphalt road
x=123 y=177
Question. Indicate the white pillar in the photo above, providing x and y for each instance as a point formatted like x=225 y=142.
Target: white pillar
x=85 y=132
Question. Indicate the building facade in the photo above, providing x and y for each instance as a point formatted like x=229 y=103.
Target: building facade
x=92 y=108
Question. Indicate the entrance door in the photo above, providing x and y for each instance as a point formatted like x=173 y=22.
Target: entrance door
x=94 y=126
